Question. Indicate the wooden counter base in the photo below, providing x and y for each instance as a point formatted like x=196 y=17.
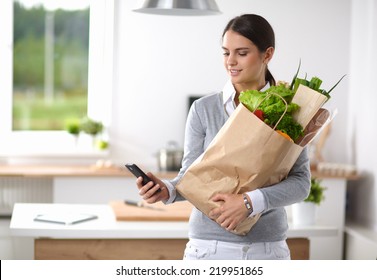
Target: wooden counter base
x=109 y=249
x=131 y=249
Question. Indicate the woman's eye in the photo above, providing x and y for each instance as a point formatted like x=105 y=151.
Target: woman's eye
x=225 y=54
x=242 y=54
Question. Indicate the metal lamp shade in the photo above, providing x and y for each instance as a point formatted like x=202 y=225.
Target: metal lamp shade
x=179 y=7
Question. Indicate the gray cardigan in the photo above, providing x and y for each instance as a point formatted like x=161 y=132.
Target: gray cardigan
x=206 y=117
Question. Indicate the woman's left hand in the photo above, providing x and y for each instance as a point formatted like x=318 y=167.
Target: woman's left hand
x=231 y=212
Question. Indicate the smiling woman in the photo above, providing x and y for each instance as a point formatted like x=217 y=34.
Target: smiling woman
x=51 y=64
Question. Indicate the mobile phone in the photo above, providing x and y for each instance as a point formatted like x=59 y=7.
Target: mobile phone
x=134 y=169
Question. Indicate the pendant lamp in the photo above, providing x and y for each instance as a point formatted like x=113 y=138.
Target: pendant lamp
x=179 y=7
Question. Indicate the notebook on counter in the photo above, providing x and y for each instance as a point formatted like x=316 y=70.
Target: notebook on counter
x=65 y=218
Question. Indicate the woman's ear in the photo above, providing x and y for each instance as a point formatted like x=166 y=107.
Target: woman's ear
x=268 y=54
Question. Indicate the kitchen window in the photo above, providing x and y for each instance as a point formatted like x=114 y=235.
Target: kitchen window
x=56 y=64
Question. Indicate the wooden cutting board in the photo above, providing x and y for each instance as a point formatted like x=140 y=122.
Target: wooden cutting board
x=179 y=211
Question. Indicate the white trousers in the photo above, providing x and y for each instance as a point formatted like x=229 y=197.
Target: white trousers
x=199 y=249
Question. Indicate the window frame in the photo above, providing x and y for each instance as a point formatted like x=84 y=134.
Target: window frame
x=100 y=84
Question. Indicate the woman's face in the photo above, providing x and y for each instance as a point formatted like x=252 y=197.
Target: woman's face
x=244 y=63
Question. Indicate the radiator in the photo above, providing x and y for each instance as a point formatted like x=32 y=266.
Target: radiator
x=26 y=190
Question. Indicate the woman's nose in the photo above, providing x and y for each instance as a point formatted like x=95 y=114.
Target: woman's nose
x=231 y=61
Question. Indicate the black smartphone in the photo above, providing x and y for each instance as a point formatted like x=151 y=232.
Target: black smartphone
x=134 y=169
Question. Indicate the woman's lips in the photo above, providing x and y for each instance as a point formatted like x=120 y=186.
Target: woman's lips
x=234 y=72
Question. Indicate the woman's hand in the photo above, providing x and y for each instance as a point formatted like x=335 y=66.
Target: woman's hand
x=149 y=191
x=232 y=211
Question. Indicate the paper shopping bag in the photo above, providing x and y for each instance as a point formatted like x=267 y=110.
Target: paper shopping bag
x=310 y=101
x=245 y=154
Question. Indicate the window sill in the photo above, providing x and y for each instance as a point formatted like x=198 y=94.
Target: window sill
x=79 y=158
x=56 y=157
x=45 y=150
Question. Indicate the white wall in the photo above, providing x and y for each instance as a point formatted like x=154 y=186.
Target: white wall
x=160 y=60
x=363 y=113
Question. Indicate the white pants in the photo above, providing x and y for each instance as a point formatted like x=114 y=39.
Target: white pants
x=199 y=249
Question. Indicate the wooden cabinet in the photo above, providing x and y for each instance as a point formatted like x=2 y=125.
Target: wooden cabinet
x=109 y=249
x=131 y=249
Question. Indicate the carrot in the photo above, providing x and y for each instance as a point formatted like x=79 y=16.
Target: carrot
x=285 y=135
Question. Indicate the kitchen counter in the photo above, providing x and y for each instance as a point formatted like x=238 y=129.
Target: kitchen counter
x=112 y=171
x=166 y=240
x=93 y=185
x=106 y=226
x=71 y=171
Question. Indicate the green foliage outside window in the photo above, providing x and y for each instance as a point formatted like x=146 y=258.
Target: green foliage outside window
x=31 y=109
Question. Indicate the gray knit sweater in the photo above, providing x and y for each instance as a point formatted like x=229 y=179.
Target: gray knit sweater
x=206 y=117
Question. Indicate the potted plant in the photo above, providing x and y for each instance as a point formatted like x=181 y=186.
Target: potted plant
x=91 y=127
x=72 y=126
x=88 y=126
x=316 y=194
x=304 y=213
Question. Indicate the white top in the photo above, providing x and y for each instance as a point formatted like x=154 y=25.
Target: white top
x=106 y=226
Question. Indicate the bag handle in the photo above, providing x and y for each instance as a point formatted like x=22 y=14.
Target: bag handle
x=278 y=95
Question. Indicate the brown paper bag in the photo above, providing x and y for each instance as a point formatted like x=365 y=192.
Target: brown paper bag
x=320 y=120
x=245 y=154
x=309 y=101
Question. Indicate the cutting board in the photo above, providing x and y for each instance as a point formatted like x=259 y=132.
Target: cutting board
x=179 y=211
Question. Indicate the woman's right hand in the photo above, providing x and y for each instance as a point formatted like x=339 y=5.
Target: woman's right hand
x=149 y=191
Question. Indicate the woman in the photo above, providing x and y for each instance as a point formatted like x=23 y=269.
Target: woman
x=248 y=44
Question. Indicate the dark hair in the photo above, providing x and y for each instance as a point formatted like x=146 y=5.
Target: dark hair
x=256 y=29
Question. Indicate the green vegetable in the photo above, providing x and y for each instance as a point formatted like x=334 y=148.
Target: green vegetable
x=273 y=108
x=334 y=85
x=252 y=98
x=289 y=126
x=295 y=76
x=314 y=83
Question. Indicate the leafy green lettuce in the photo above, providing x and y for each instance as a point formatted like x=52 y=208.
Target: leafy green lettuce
x=273 y=108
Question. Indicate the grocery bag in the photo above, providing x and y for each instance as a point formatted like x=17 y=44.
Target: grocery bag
x=309 y=101
x=246 y=154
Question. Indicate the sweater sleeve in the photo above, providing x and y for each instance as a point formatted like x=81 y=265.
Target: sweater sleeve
x=294 y=188
x=193 y=145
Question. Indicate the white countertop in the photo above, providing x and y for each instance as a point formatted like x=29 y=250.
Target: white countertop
x=106 y=226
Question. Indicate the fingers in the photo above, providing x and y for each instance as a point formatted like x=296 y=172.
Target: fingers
x=150 y=187
x=154 y=178
x=227 y=223
x=224 y=221
x=215 y=213
x=220 y=216
x=219 y=197
x=139 y=183
x=230 y=213
x=152 y=195
x=153 y=191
